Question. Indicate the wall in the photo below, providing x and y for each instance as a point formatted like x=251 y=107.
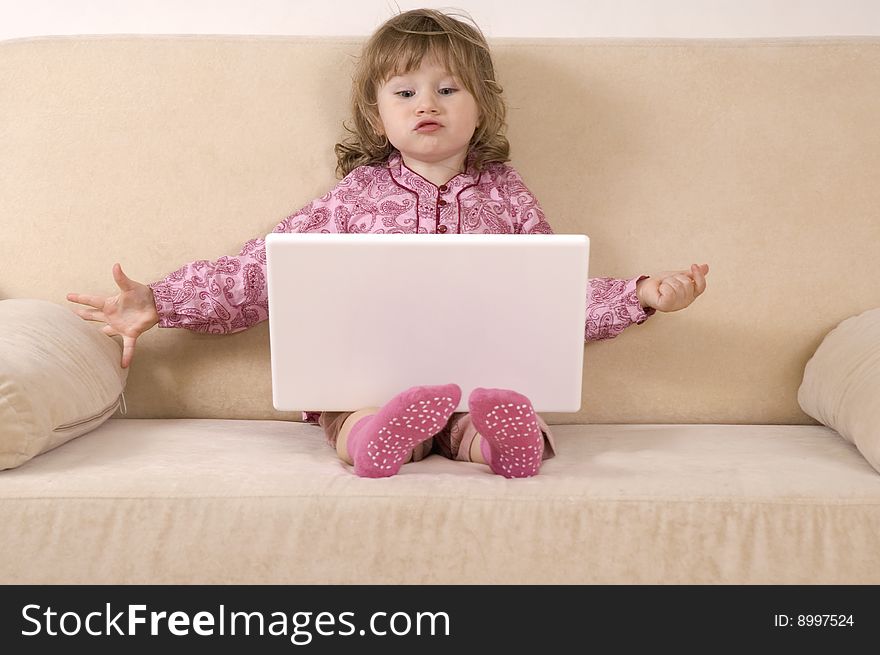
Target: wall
x=547 y=18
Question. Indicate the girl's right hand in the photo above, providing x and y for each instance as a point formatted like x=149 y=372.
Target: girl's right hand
x=128 y=314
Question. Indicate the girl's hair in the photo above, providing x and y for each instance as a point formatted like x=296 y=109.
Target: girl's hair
x=398 y=47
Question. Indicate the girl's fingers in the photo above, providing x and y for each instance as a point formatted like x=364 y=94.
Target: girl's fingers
x=685 y=280
x=680 y=283
x=679 y=292
x=678 y=289
x=89 y=314
x=122 y=280
x=94 y=301
x=127 y=350
x=109 y=331
x=699 y=279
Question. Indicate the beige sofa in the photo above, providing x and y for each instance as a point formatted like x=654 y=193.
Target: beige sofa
x=690 y=461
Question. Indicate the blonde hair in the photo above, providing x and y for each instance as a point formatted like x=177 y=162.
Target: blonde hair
x=399 y=46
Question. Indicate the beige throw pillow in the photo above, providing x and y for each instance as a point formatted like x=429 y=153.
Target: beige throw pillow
x=841 y=385
x=60 y=377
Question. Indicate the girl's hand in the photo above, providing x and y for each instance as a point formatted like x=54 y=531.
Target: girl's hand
x=672 y=290
x=129 y=313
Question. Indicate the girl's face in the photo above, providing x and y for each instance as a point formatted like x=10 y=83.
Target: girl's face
x=428 y=116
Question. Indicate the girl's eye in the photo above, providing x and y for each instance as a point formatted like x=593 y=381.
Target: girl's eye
x=405 y=94
x=447 y=91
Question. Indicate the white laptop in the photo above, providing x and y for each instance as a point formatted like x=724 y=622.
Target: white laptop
x=356 y=318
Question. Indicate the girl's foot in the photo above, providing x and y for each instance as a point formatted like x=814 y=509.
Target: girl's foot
x=381 y=443
x=512 y=443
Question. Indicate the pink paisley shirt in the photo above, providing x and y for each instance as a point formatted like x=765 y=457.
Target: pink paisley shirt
x=230 y=295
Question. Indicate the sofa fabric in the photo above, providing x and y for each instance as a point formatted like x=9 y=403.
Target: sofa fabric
x=756 y=156
x=690 y=461
x=268 y=502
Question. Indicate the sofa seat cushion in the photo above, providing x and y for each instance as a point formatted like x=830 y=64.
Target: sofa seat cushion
x=223 y=501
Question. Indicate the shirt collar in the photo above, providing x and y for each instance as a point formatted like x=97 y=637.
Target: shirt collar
x=415 y=182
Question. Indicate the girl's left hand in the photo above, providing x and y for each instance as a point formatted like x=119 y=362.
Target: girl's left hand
x=672 y=290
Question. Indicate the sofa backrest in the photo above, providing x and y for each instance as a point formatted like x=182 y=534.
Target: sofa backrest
x=759 y=157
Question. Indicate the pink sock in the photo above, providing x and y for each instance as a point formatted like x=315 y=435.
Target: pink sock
x=512 y=443
x=380 y=444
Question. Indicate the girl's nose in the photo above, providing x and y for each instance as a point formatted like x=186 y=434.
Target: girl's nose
x=426 y=106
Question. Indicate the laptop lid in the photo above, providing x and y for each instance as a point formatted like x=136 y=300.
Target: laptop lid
x=356 y=318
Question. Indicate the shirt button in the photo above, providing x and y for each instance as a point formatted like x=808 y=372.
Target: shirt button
x=442 y=229
x=443 y=188
x=442 y=202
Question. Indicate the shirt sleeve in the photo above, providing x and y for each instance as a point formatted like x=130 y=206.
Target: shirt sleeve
x=230 y=294
x=612 y=304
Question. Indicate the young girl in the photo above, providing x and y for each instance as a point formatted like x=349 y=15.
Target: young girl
x=426 y=154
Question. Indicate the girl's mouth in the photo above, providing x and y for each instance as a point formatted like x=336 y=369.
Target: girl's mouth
x=428 y=126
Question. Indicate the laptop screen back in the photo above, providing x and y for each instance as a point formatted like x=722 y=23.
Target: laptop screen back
x=356 y=318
